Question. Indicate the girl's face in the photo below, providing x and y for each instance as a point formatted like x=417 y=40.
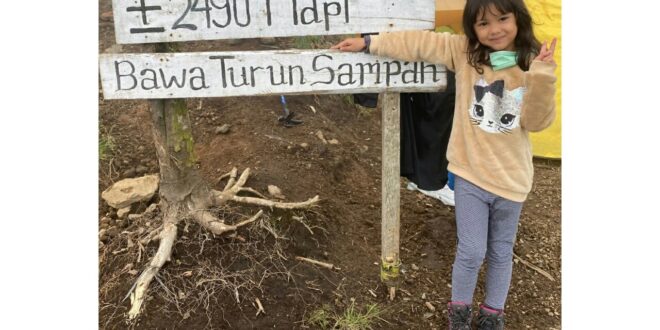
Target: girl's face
x=495 y=29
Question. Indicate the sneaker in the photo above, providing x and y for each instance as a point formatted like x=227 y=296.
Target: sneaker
x=445 y=195
x=490 y=319
x=460 y=316
x=412 y=186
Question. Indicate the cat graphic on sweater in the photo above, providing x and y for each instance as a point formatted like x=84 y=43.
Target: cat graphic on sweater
x=494 y=109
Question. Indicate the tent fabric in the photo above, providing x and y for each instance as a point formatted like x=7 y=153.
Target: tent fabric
x=546 y=15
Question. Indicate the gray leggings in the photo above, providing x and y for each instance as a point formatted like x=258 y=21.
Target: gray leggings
x=486 y=227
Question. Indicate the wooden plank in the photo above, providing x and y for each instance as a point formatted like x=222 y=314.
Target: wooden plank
x=390 y=213
x=149 y=21
x=220 y=74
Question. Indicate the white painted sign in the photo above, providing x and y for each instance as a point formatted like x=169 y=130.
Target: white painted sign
x=219 y=74
x=149 y=21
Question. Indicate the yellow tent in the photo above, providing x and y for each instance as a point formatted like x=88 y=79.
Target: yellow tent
x=547 y=18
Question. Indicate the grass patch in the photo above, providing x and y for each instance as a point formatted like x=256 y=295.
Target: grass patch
x=107 y=145
x=351 y=319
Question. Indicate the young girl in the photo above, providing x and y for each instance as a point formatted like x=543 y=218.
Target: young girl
x=505 y=87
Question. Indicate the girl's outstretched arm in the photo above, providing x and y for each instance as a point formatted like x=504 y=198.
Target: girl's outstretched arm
x=351 y=45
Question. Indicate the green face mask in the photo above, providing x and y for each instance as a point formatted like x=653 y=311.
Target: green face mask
x=503 y=59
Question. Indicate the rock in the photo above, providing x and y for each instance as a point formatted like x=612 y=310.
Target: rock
x=112 y=232
x=128 y=191
x=275 y=192
x=304 y=145
x=133 y=217
x=319 y=135
x=224 y=129
x=333 y=141
x=123 y=212
x=103 y=235
x=151 y=209
x=105 y=220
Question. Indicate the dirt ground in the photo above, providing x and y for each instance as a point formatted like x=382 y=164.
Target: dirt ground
x=213 y=282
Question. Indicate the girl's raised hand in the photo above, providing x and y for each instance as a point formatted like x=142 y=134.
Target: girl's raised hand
x=350 y=45
x=547 y=54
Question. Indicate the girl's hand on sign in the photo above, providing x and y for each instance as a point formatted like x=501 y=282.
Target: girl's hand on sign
x=350 y=45
x=547 y=54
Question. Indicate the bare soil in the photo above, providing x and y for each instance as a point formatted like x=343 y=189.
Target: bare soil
x=213 y=282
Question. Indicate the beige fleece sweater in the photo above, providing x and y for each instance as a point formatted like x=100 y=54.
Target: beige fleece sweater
x=489 y=144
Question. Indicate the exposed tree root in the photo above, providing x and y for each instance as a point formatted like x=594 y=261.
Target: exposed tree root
x=167 y=237
x=198 y=210
x=233 y=187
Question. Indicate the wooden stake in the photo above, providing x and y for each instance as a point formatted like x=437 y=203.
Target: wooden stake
x=390 y=191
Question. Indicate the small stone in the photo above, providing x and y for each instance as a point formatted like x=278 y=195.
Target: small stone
x=122 y=213
x=275 y=192
x=319 y=135
x=103 y=235
x=333 y=141
x=304 y=145
x=105 y=220
x=112 y=232
x=151 y=209
x=414 y=267
x=133 y=217
x=224 y=129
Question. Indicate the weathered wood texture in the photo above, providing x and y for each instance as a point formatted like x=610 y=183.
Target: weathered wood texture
x=148 y=21
x=216 y=74
x=390 y=213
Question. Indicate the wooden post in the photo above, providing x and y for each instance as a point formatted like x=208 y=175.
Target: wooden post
x=390 y=215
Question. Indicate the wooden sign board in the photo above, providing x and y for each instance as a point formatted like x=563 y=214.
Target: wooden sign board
x=220 y=74
x=149 y=21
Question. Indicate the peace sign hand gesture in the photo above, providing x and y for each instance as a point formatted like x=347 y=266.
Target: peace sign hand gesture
x=547 y=54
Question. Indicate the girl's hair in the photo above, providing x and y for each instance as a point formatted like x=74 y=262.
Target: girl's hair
x=527 y=46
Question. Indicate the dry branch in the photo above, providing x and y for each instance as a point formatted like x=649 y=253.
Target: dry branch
x=532 y=266
x=318 y=263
